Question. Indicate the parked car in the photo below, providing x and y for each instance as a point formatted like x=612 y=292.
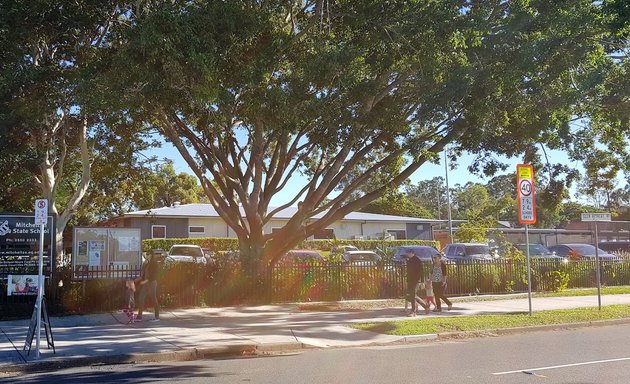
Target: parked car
x=186 y=253
x=577 y=251
x=463 y=252
x=424 y=252
x=361 y=257
x=301 y=256
x=538 y=251
x=616 y=247
x=343 y=249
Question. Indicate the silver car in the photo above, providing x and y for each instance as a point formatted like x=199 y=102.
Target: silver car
x=464 y=252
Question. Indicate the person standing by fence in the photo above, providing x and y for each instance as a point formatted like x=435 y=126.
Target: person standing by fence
x=415 y=273
x=148 y=283
x=438 y=277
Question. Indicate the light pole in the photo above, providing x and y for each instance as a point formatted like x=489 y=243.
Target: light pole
x=448 y=196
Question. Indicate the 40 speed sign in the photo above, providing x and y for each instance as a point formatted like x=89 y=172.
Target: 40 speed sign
x=525 y=194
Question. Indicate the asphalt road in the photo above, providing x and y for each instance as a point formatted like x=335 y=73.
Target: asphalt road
x=587 y=355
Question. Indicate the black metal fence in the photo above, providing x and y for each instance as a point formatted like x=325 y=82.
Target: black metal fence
x=187 y=285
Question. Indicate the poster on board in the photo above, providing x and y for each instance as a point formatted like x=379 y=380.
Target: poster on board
x=20 y=285
x=95 y=252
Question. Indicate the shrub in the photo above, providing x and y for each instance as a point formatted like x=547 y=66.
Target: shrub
x=559 y=281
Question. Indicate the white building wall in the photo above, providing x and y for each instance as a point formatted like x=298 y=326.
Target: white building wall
x=375 y=230
x=214 y=227
x=347 y=229
x=274 y=224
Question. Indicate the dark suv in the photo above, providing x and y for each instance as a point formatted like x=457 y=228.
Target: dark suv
x=617 y=247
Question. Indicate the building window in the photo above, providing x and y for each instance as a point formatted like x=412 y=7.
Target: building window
x=196 y=230
x=327 y=233
x=158 y=231
x=399 y=234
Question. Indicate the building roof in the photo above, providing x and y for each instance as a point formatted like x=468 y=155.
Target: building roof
x=208 y=211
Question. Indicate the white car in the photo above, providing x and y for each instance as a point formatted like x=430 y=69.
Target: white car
x=186 y=253
x=361 y=257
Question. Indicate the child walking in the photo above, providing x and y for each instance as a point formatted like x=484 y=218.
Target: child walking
x=130 y=302
x=428 y=287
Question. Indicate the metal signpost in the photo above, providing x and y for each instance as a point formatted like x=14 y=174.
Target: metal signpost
x=595 y=217
x=526 y=213
x=41 y=218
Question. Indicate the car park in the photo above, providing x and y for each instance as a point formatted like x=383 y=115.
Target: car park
x=186 y=253
x=361 y=257
x=301 y=256
x=343 y=249
x=423 y=252
x=578 y=251
x=616 y=247
x=465 y=252
x=538 y=251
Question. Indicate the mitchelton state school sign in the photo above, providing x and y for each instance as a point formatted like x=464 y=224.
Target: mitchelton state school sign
x=19 y=244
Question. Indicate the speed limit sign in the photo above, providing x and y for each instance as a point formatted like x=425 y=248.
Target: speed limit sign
x=525 y=194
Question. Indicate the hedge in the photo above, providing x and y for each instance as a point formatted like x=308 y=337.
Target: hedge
x=225 y=244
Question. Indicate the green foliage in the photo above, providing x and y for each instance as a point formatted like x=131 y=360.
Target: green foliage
x=225 y=244
x=253 y=95
x=474 y=230
x=397 y=204
x=559 y=281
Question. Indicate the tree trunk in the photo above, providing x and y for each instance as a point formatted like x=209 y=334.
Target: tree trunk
x=256 y=283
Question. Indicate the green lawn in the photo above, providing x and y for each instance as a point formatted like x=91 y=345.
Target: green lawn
x=430 y=325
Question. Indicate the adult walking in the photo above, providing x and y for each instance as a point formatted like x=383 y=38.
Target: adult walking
x=438 y=278
x=148 y=283
x=415 y=273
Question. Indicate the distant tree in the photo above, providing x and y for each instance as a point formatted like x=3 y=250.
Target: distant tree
x=398 y=204
x=164 y=187
x=430 y=194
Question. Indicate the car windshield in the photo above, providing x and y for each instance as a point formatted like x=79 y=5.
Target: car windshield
x=535 y=249
x=587 y=250
x=477 y=250
x=186 y=251
x=363 y=257
x=425 y=253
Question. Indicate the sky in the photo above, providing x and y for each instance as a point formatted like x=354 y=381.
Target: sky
x=459 y=175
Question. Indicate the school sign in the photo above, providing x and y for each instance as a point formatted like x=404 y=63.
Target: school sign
x=19 y=244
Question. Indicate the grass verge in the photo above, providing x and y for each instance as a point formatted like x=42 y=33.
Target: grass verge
x=423 y=326
x=360 y=305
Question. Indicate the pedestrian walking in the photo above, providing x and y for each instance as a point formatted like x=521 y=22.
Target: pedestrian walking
x=415 y=273
x=428 y=288
x=148 y=283
x=438 y=279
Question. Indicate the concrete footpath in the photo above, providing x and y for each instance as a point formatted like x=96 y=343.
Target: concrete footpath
x=188 y=334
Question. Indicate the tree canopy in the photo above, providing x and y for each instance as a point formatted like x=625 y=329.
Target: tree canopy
x=254 y=93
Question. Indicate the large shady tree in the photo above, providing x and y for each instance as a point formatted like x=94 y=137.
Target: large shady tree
x=53 y=130
x=263 y=96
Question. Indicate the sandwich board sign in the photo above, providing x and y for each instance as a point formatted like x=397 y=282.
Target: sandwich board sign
x=526 y=199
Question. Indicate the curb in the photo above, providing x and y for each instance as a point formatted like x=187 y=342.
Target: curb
x=62 y=362
x=153 y=357
x=181 y=355
x=534 y=328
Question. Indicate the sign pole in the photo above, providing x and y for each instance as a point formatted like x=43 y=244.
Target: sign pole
x=529 y=271
x=598 y=271
x=526 y=201
x=595 y=217
x=40 y=289
x=41 y=217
